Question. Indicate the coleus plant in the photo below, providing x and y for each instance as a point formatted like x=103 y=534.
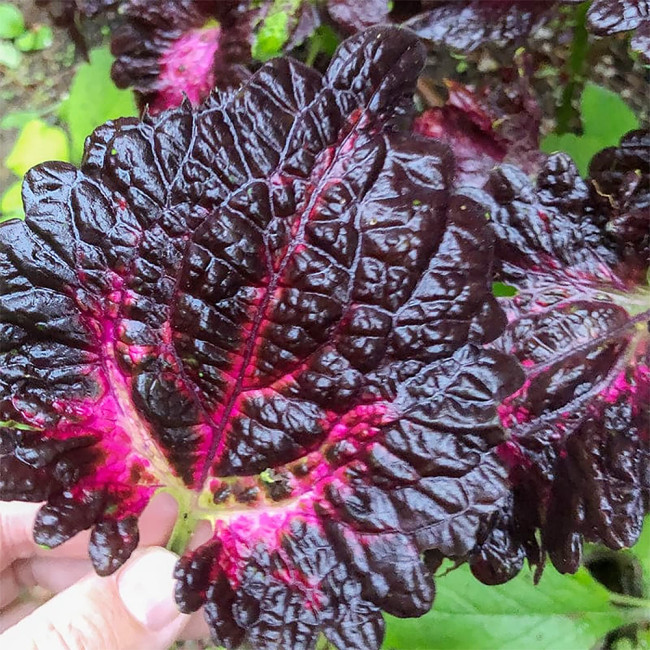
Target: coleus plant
x=577 y=252
x=466 y=25
x=169 y=49
x=275 y=307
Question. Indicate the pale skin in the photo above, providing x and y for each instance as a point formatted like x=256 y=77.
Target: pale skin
x=53 y=600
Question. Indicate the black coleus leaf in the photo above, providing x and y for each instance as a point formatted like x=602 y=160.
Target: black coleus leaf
x=466 y=25
x=579 y=451
x=166 y=50
x=174 y=48
x=607 y=17
x=274 y=307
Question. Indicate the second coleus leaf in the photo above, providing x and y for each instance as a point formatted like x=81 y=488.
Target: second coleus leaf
x=172 y=48
x=275 y=308
x=577 y=252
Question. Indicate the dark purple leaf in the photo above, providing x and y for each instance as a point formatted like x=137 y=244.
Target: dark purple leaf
x=174 y=48
x=606 y=17
x=579 y=451
x=354 y=15
x=274 y=307
x=468 y=24
x=485 y=127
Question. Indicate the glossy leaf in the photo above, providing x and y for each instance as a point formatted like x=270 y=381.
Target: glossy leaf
x=465 y=25
x=485 y=127
x=279 y=316
x=607 y=17
x=580 y=443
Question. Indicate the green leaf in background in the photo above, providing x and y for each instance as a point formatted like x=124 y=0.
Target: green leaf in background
x=560 y=613
x=11 y=203
x=273 y=32
x=642 y=550
x=10 y=57
x=325 y=40
x=37 y=143
x=12 y=23
x=94 y=99
x=39 y=38
x=501 y=290
x=605 y=118
x=17 y=119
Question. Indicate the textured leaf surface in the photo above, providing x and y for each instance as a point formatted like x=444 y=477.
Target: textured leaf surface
x=559 y=613
x=169 y=49
x=174 y=48
x=580 y=447
x=466 y=25
x=275 y=307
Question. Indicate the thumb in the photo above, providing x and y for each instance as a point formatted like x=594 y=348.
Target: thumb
x=130 y=610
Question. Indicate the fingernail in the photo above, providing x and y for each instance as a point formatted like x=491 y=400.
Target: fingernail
x=146 y=588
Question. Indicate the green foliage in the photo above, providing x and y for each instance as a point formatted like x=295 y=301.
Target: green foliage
x=17 y=119
x=11 y=202
x=37 y=143
x=324 y=40
x=12 y=23
x=38 y=38
x=642 y=551
x=605 y=118
x=561 y=613
x=501 y=290
x=10 y=57
x=273 y=32
x=94 y=100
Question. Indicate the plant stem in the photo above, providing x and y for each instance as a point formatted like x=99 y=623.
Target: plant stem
x=576 y=64
x=183 y=528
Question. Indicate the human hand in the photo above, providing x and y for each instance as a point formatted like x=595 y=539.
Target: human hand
x=133 y=609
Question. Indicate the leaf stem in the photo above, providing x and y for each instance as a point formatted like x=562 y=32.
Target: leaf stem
x=183 y=528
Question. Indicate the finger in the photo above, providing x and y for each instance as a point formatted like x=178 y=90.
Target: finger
x=197 y=629
x=17 y=612
x=53 y=575
x=17 y=524
x=130 y=610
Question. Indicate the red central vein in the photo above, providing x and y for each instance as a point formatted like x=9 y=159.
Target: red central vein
x=218 y=442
